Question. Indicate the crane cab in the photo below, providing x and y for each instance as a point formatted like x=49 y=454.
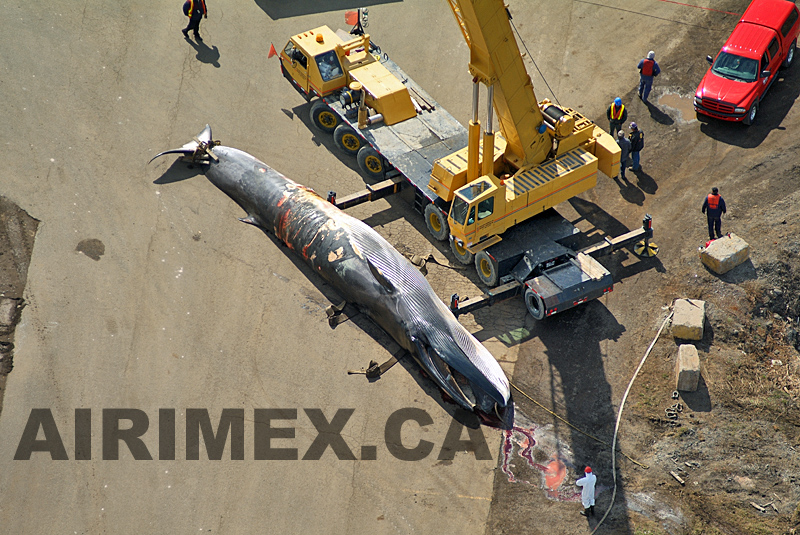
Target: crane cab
x=475 y=210
x=312 y=61
x=322 y=63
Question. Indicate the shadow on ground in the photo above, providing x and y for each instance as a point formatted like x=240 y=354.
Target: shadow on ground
x=280 y=9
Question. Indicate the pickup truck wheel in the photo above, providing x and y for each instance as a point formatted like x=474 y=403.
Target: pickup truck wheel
x=789 y=55
x=461 y=253
x=534 y=304
x=371 y=163
x=347 y=139
x=323 y=117
x=487 y=269
x=751 y=114
x=436 y=221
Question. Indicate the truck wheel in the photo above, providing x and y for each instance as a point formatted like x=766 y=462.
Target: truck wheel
x=323 y=117
x=347 y=139
x=751 y=114
x=371 y=163
x=534 y=304
x=461 y=253
x=789 y=55
x=436 y=221
x=487 y=269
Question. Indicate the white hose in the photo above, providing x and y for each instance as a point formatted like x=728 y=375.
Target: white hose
x=619 y=417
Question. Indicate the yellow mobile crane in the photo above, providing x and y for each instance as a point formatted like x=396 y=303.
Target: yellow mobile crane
x=491 y=197
x=546 y=154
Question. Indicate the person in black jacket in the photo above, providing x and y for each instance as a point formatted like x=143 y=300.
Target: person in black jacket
x=714 y=207
x=637 y=144
x=195 y=10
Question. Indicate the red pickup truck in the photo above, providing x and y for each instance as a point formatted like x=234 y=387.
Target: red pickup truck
x=745 y=68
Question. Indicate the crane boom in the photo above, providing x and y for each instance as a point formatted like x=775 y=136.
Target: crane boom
x=496 y=62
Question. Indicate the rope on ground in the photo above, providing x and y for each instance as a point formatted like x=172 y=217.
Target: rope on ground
x=619 y=417
x=581 y=431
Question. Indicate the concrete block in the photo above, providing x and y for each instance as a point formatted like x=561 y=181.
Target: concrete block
x=725 y=253
x=687 y=369
x=688 y=318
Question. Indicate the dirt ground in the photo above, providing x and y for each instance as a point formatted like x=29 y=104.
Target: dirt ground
x=734 y=444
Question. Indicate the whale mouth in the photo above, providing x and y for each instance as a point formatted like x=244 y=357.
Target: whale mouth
x=492 y=409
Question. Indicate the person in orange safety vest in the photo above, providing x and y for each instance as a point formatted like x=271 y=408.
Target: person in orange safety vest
x=195 y=10
x=648 y=69
x=617 y=115
x=714 y=207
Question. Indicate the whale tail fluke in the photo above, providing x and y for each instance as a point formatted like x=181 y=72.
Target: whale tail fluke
x=198 y=150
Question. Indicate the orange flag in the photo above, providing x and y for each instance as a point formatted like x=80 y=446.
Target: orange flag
x=272 y=51
x=351 y=17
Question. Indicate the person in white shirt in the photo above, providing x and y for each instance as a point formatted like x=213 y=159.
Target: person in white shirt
x=587 y=494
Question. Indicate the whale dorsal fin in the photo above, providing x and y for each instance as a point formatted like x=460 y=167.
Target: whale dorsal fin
x=380 y=277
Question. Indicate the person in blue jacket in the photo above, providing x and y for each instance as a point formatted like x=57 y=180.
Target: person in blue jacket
x=714 y=207
x=648 y=69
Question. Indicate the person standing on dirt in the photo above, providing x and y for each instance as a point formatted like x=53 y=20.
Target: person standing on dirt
x=637 y=144
x=648 y=69
x=624 y=144
x=714 y=207
x=195 y=10
x=587 y=494
x=617 y=115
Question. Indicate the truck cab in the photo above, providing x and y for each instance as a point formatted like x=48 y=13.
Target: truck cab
x=763 y=41
x=474 y=210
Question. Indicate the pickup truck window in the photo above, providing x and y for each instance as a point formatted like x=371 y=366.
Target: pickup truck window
x=773 y=48
x=736 y=67
x=764 y=62
x=787 y=26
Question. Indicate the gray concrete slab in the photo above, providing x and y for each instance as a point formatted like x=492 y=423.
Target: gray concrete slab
x=187 y=307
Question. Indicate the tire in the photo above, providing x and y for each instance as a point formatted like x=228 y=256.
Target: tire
x=487 y=268
x=751 y=114
x=461 y=253
x=347 y=139
x=789 y=56
x=371 y=163
x=323 y=117
x=436 y=221
x=534 y=304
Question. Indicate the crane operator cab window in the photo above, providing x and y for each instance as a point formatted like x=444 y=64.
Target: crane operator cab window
x=296 y=55
x=329 y=66
x=485 y=208
x=461 y=207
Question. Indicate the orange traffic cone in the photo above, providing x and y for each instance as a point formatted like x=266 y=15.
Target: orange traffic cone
x=272 y=51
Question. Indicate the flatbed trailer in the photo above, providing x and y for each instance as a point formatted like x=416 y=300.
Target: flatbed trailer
x=553 y=280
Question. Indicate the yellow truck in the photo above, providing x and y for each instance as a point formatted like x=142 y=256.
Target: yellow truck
x=490 y=195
